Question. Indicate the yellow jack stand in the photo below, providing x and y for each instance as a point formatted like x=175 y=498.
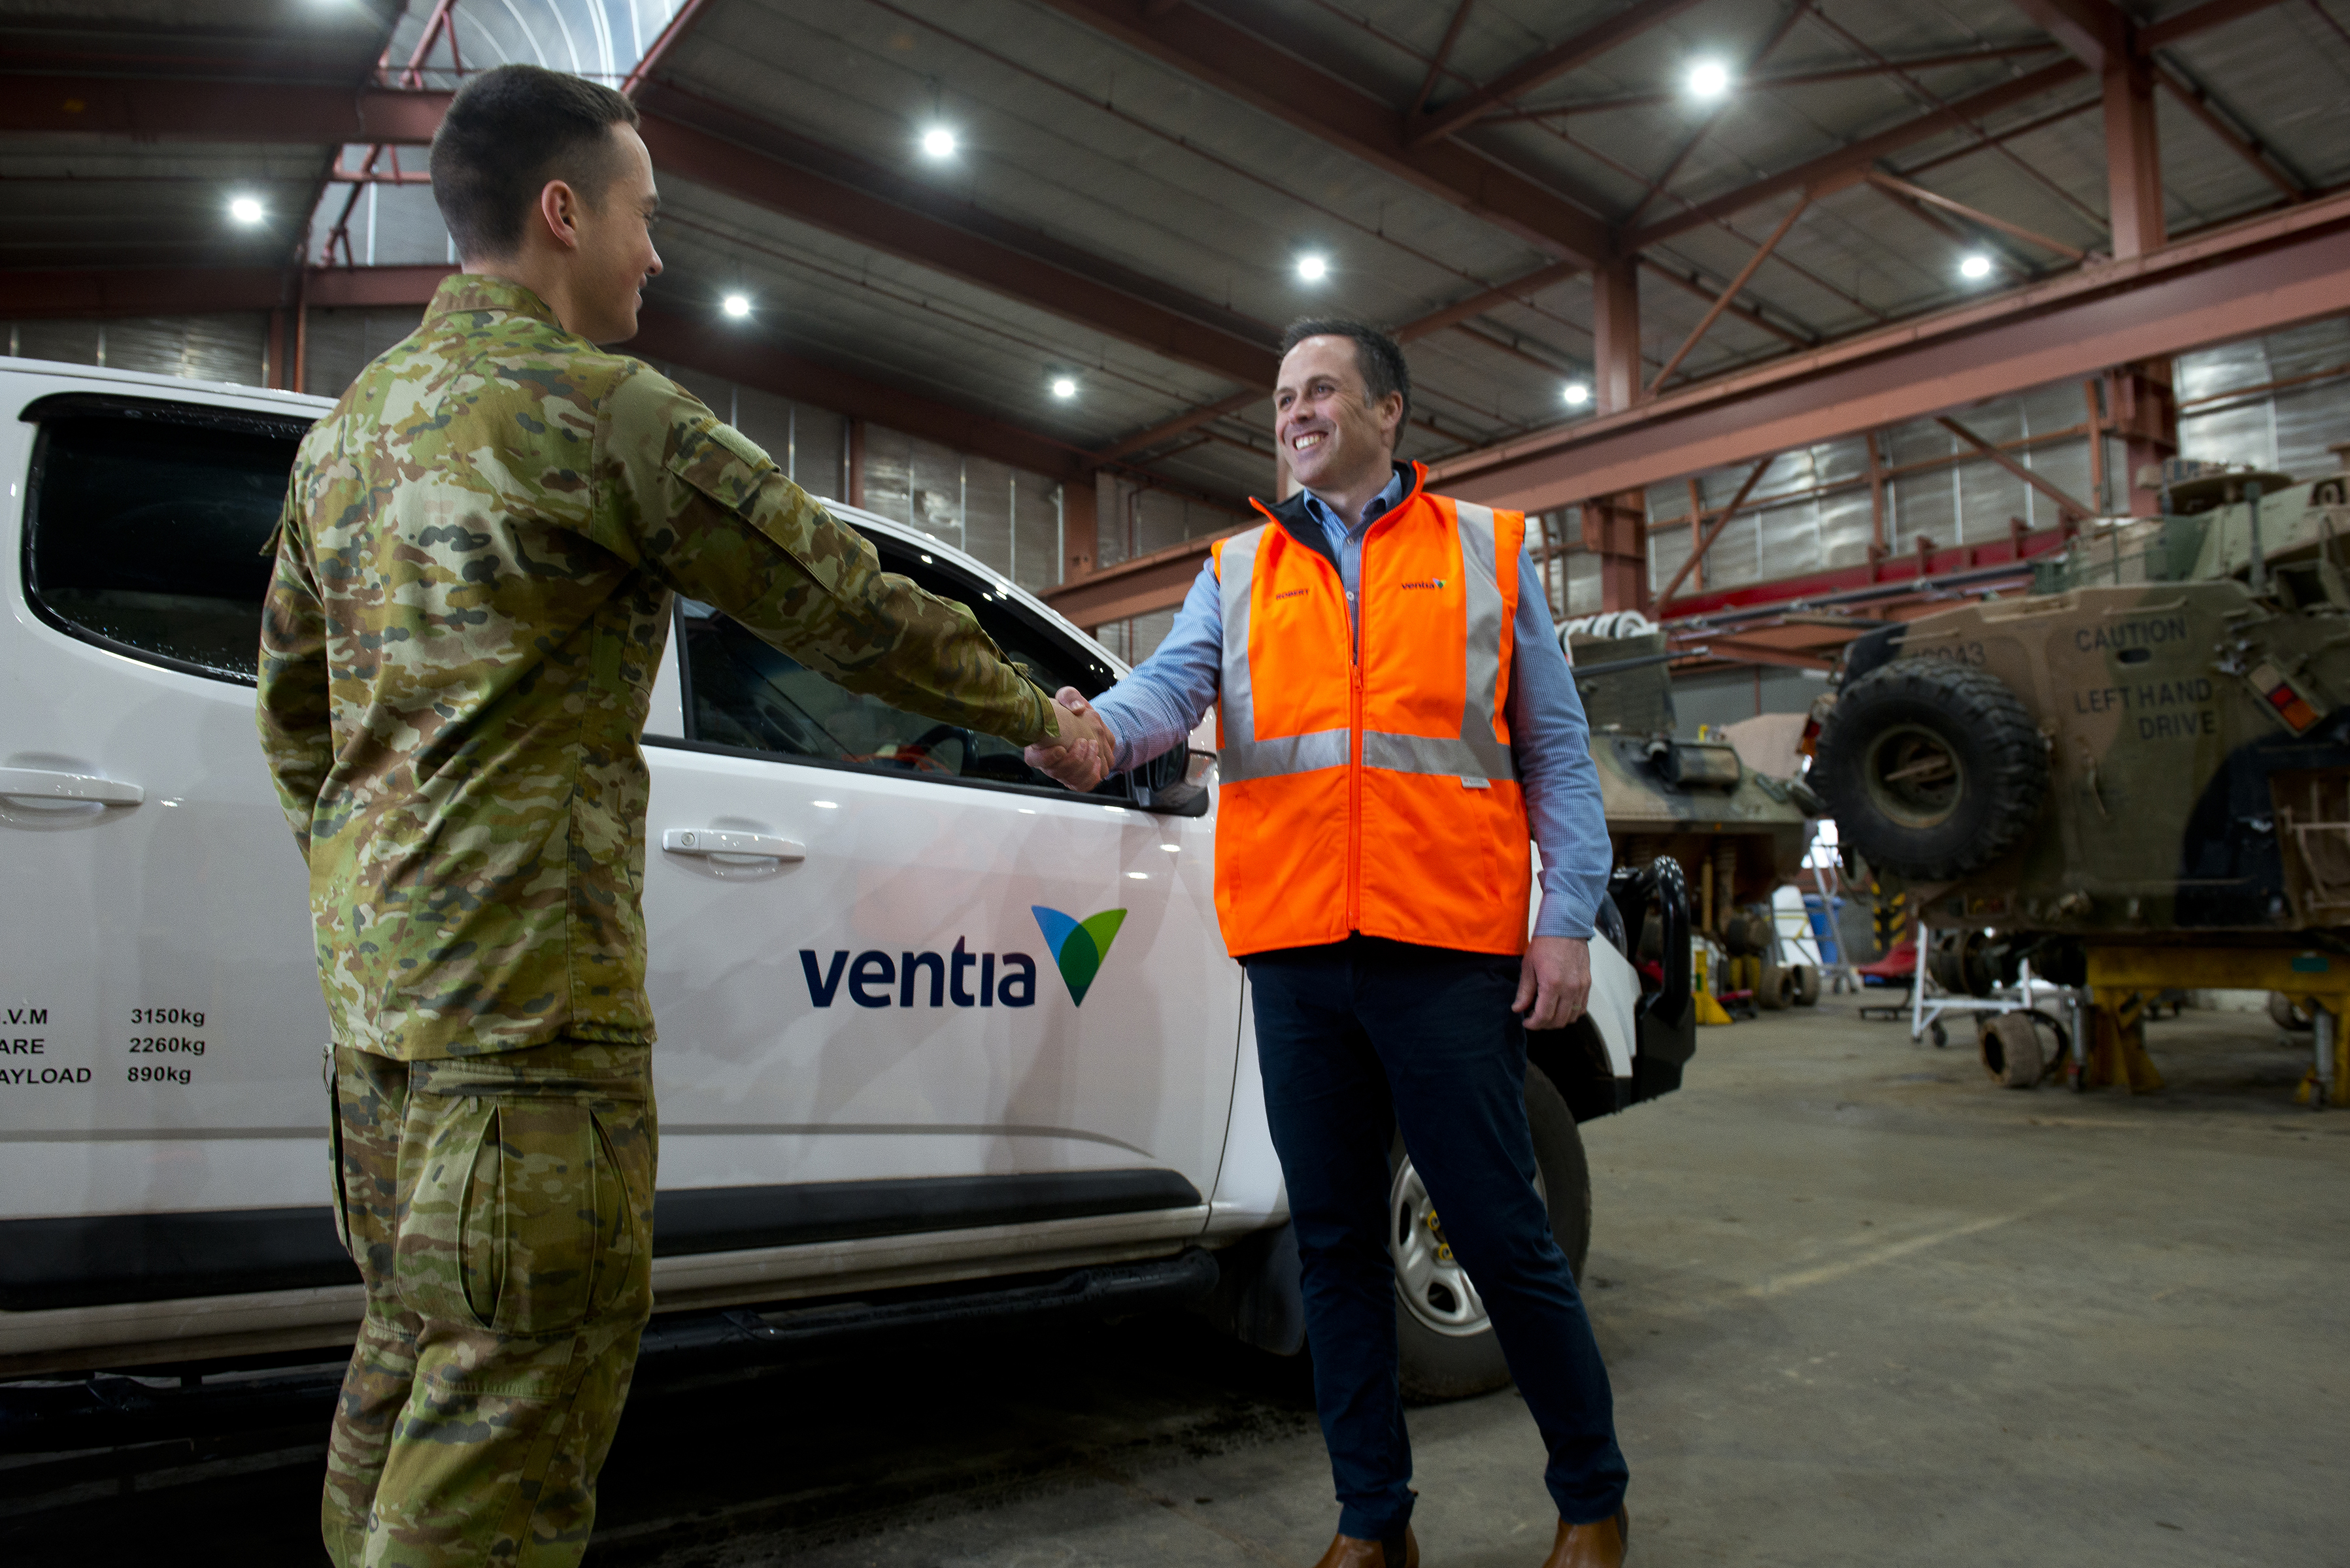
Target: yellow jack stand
x=2117 y=1056
x=2120 y=979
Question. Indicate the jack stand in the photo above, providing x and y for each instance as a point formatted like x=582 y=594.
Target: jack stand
x=2328 y=1080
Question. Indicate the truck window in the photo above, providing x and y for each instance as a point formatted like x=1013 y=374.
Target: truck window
x=144 y=526
x=742 y=692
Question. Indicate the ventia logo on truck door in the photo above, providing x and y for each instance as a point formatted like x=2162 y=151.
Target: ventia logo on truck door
x=1007 y=980
x=873 y=974
x=1078 y=946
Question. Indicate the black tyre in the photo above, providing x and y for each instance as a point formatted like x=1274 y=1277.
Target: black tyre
x=1444 y=1338
x=1807 y=985
x=1933 y=769
x=1777 y=988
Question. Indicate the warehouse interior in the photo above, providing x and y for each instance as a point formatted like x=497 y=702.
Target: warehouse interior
x=1784 y=322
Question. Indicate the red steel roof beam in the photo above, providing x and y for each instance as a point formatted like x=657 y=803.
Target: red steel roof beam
x=1571 y=54
x=2256 y=276
x=1737 y=286
x=1844 y=164
x=1235 y=62
x=657 y=56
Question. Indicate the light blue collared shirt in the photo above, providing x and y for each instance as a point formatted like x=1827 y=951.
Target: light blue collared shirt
x=1167 y=695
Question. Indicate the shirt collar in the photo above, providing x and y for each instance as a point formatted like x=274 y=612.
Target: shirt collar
x=1381 y=505
x=474 y=291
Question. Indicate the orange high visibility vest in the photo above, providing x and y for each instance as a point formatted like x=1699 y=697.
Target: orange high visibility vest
x=1371 y=789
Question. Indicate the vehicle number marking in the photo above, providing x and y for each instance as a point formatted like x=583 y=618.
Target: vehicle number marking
x=1955 y=653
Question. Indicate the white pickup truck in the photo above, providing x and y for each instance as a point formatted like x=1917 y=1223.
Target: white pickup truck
x=937 y=1036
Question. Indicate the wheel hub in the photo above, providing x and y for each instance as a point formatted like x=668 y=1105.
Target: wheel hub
x=1433 y=1286
x=1914 y=776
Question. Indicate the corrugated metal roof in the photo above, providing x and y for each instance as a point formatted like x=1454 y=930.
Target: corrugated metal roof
x=1071 y=134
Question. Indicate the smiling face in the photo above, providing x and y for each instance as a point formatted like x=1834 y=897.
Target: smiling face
x=1333 y=436
x=615 y=256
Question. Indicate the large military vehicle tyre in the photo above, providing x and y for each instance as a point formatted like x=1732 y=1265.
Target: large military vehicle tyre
x=1933 y=769
x=1444 y=1339
x=2287 y=1014
x=1807 y=985
x=1775 y=990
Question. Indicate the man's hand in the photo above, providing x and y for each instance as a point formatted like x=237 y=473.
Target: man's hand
x=1080 y=756
x=1553 y=982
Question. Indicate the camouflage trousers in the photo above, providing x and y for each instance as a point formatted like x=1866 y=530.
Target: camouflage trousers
x=500 y=1209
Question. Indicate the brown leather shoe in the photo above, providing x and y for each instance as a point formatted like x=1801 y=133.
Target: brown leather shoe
x=1346 y=1552
x=1598 y=1545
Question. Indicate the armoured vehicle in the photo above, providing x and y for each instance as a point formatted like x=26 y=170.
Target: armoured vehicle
x=1737 y=833
x=2136 y=777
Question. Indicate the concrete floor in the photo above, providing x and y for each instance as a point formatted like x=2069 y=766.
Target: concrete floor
x=1861 y=1306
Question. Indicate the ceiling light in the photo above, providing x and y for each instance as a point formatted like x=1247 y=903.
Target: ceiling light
x=939 y=141
x=738 y=305
x=1063 y=387
x=1975 y=265
x=1577 y=394
x=246 y=208
x=1708 y=78
x=1313 y=268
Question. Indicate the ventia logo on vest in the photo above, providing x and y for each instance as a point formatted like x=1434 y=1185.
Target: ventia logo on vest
x=871 y=975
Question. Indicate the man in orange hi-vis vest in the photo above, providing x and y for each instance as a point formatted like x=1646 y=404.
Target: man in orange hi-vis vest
x=1396 y=721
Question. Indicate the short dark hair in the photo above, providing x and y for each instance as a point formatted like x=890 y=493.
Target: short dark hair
x=510 y=130
x=1379 y=357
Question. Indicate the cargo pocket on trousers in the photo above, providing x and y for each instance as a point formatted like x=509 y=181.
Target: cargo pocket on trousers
x=540 y=1205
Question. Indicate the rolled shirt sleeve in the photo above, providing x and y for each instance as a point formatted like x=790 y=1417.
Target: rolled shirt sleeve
x=713 y=517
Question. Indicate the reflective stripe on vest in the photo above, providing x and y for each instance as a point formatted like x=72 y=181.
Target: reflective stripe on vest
x=1476 y=754
x=1239 y=753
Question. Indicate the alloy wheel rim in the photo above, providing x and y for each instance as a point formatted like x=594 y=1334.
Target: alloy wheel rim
x=1429 y=1280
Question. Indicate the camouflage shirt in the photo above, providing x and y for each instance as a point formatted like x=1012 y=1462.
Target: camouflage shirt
x=472 y=594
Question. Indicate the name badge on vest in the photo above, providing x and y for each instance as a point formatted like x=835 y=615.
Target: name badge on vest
x=1468 y=783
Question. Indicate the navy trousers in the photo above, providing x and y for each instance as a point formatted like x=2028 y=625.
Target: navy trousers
x=1356 y=1039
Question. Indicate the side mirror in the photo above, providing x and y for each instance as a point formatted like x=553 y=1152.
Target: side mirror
x=1164 y=771
x=1174 y=783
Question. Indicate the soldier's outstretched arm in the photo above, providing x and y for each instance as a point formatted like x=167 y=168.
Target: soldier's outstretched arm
x=710 y=514
x=292 y=708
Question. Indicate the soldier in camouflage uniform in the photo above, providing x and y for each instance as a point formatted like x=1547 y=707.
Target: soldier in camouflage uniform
x=472 y=591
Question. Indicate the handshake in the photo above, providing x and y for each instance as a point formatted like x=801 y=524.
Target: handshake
x=1080 y=757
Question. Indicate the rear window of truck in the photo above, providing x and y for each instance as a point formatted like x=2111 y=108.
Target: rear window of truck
x=144 y=524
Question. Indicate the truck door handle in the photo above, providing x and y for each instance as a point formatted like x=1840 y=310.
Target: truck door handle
x=48 y=784
x=731 y=841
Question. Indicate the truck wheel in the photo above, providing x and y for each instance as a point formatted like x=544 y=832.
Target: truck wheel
x=1445 y=1340
x=2287 y=1014
x=1775 y=989
x=1807 y=985
x=1933 y=769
